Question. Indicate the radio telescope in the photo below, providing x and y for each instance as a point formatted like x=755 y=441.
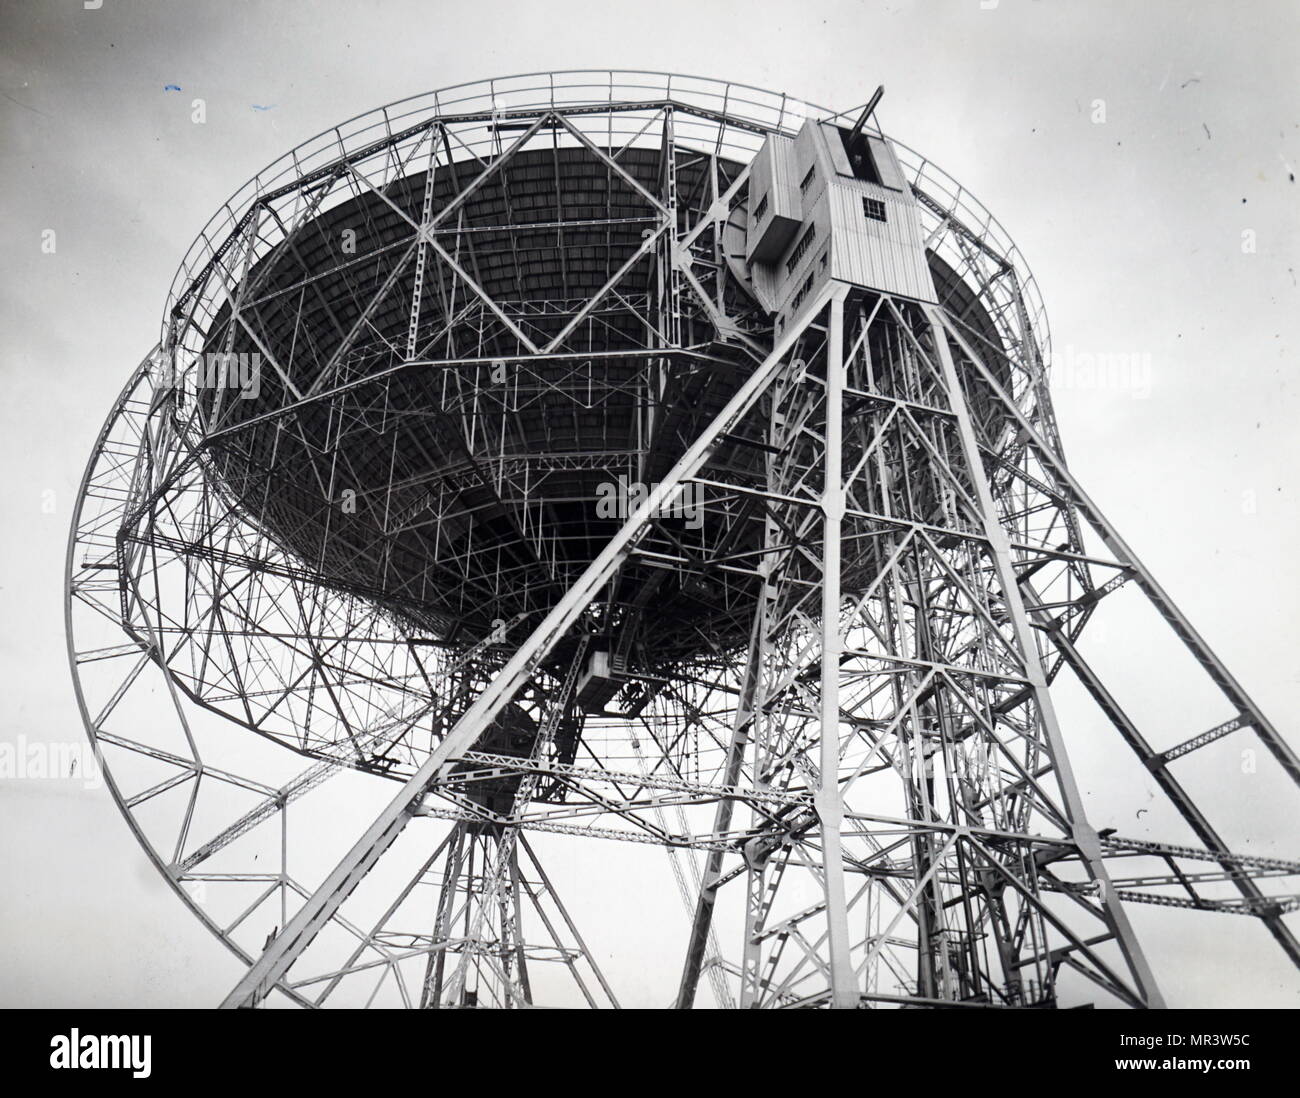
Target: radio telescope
x=581 y=527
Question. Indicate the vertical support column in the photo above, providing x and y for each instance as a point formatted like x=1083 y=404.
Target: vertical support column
x=431 y=994
x=703 y=919
x=829 y=803
x=755 y=860
x=517 y=926
x=755 y=883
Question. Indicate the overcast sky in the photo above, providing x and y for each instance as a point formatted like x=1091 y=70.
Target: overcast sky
x=1133 y=226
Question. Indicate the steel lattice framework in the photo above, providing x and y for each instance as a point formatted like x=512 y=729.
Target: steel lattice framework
x=366 y=600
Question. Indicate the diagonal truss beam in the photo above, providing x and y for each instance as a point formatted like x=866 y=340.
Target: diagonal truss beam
x=1082 y=833
x=1196 y=644
x=300 y=931
x=1249 y=712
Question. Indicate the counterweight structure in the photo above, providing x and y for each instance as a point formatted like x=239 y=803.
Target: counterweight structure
x=601 y=461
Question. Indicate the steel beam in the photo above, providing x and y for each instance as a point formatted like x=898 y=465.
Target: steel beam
x=828 y=798
x=1082 y=833
x=375 y=841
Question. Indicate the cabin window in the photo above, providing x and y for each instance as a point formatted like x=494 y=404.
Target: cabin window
x=800 y=249
x=804 y=291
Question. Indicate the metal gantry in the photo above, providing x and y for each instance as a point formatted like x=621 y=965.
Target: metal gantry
x=335 y=641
